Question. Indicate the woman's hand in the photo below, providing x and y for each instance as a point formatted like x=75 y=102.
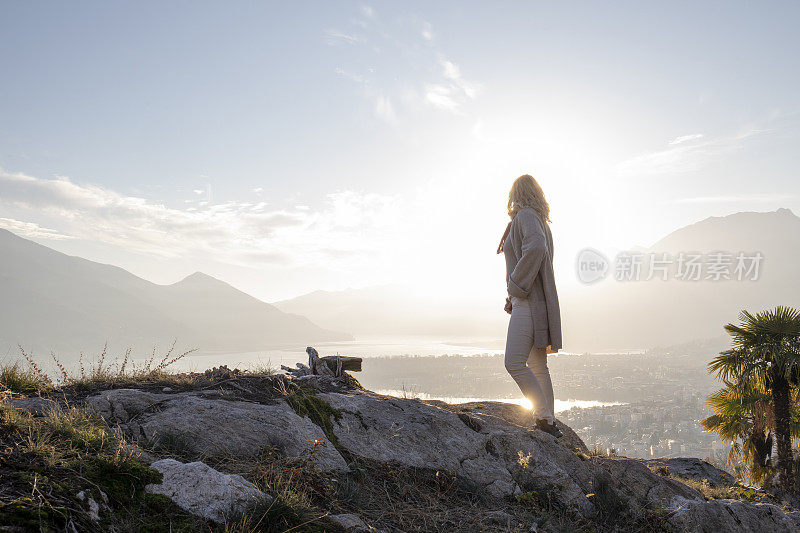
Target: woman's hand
x=508 y=306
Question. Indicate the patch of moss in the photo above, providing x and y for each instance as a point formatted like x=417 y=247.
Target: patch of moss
x=120 y=480
x=172 y=443
x=305 y=402
x=285 y=512
x=24 y=513
x=50 y=459
x=154 y=513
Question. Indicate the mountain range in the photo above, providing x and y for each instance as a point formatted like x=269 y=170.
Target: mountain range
x=611 y=314
x=640 y=314
x=52 y=301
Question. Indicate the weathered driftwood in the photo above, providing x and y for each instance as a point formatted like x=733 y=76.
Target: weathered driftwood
x=353 y=364
x=332 y=365
x=317 y=365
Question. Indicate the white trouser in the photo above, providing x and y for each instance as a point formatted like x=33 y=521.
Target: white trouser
x=526 y=364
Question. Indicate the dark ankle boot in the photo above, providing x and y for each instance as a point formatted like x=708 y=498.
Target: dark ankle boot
x=549 y=427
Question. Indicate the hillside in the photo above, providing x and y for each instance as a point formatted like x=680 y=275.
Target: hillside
x=319 y=453
x=52 y=301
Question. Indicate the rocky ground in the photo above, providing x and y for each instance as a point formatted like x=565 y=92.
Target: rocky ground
x=319 y=453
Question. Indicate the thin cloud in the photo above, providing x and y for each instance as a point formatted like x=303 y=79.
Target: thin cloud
x=686 y=138
x=368 y=11
x=442 y=84
x=451 y=70
x=336 y=37
x=384 y=109
x=452 y=94
x=442 y=96
x=31 y=230
x=427 y=31
x=237 y=232
x=736 y=198
x=684 y=157
x=350 y=76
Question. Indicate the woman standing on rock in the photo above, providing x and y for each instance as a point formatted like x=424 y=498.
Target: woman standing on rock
x=534 y=329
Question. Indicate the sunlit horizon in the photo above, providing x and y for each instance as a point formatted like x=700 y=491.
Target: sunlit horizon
x=401 y=166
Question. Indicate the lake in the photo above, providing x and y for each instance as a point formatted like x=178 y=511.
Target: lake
x=375 y=347
x=559 y=405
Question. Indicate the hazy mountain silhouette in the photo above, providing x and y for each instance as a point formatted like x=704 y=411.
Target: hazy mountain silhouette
x=54 y=301
x=394 y=310
x=610 y=314
x=645 y=313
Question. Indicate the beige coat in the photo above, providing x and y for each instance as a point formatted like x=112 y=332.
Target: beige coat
x=528 y=250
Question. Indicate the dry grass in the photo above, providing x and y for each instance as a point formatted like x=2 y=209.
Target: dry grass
x=729 y=492
x=261 y=369
x=390 y=497
x=16 y=379
x=100 y=373
x=597 y=452
x=47 y=460
x=288 y=481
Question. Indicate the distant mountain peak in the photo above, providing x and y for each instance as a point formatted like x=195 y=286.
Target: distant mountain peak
x=199 y=276
x=744 y=226
x=200 y=280
x=55 y=301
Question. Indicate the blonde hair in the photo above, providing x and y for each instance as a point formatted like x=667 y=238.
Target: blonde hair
x=526 y=192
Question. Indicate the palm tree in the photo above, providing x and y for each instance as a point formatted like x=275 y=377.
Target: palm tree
x=743 y=420
x=765 y=354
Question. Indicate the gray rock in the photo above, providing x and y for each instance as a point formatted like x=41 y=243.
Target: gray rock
x=692 y=468
x=488 y=443
x=352 y=523
x=698 y=516
x=35 y=405
x=499 y=517
x=516 y=415
x=93 y=508
x=120 y=405
x=637 y=482
x=199 y=489
x=208 y=427
x=491 y=448
x=487 y=449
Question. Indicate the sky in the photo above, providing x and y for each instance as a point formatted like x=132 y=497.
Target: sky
x=286 y=147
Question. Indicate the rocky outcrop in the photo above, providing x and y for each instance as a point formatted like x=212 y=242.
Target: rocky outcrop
x=473 y=441
x=212 y=427
x=698 y=516
x=35 y=405
x=203 y=491
x=691 y=468
x=490 y=444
